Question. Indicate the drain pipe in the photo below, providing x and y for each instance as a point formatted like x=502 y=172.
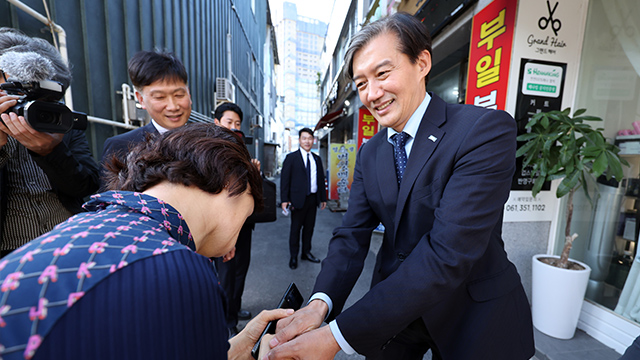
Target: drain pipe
x=62 y=39
x=229 y=36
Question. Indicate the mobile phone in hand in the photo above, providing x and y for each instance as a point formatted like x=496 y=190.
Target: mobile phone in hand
x=292 y=299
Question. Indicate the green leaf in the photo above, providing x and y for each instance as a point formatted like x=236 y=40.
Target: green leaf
x=527 y=137
x=600 y=165
x=555 y=116
x=568 y=183
x=525 y=148
x=579 y=112
x=537 y=185
x=589 y=118
x=614 y=165
x=544 y=122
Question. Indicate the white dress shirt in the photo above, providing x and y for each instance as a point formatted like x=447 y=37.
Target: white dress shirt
x=160 y=129
x=314 y=169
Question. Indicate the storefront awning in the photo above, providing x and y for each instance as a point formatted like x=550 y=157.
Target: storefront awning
x=328 y=119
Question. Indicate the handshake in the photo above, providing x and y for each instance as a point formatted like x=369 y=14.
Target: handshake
x=297 y=334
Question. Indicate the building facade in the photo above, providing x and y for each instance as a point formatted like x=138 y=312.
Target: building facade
x=221 y=43
x=300 y=48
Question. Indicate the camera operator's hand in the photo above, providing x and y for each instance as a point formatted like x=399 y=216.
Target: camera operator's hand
x=6 y=102
x=39 y=142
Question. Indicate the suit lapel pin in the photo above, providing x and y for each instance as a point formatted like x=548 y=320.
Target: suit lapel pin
x=433 y=138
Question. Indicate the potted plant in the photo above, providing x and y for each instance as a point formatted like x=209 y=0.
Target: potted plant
x=560 y=146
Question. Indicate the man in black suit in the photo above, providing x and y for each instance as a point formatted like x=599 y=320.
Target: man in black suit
x=302 y=190
x=437 y=176
x=160 y=82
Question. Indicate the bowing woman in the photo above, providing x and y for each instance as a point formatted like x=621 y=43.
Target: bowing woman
x=131 y=278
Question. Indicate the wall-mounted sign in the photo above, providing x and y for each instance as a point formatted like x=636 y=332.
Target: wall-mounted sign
x=342 y=161
x=546 y=55
x=490 y=54
x=540 y=89
x=542 y=80
x=367 y=126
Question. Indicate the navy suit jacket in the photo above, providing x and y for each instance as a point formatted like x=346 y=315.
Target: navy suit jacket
x=442 y=258
x=293 y=180
x=120 y=144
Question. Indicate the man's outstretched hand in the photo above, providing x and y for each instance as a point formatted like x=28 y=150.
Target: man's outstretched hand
x=298 y=336
x=315 y=344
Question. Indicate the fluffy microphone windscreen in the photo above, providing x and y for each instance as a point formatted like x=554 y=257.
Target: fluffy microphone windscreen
x=26 y=66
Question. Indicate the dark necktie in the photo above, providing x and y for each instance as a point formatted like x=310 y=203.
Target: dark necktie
x=308 y=174
x=399 y=153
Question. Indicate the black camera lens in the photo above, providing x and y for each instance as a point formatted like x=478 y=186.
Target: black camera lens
x=46 y=117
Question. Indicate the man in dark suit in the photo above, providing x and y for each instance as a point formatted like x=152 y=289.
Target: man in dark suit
x=160 y=80
x=437 y=177
x=302 y=191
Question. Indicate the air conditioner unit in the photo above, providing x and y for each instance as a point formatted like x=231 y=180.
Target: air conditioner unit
x=225 y=90
x=257 y=122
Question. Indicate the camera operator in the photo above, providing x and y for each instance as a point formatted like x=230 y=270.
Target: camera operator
x=43 y=176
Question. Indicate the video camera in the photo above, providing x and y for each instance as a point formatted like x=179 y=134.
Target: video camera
x=39 y=105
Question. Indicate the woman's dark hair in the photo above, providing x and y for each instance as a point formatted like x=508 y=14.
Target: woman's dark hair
x=147 y=67
x=206 y=156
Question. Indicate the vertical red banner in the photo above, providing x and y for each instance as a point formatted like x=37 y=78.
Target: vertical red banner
x=367 y=126
x=490 y=54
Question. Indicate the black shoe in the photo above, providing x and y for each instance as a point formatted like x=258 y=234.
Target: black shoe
x=244 y=314
x=293 y=263
x=310 y=257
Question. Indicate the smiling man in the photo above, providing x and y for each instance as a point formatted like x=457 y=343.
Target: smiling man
x=437 y=177
x=160 y=81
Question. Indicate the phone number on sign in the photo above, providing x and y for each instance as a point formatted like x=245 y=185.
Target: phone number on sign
x=525 y=207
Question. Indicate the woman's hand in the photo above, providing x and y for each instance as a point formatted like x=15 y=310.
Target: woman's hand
x=241 y=344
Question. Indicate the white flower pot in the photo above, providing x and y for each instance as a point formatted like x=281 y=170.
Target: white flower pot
x=556 y=297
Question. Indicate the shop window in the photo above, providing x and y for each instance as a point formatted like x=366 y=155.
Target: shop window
x=609 y=87
x=446 y=84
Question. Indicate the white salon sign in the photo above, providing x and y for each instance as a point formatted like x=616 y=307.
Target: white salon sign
x=547 y=45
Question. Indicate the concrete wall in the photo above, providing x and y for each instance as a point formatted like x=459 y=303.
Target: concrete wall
x=522 y=240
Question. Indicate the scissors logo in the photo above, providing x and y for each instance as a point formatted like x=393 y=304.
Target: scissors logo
x=543 y=22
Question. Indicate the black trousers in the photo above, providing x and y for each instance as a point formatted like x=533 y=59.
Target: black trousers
x=233 y=273
x=303 y=219
x=410 y=344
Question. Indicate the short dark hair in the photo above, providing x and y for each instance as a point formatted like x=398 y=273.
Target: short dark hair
x=307 y=130
x=16 y=41
x=413 y=38
x=147 y=67
x=203 y=155
x=228 y=106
